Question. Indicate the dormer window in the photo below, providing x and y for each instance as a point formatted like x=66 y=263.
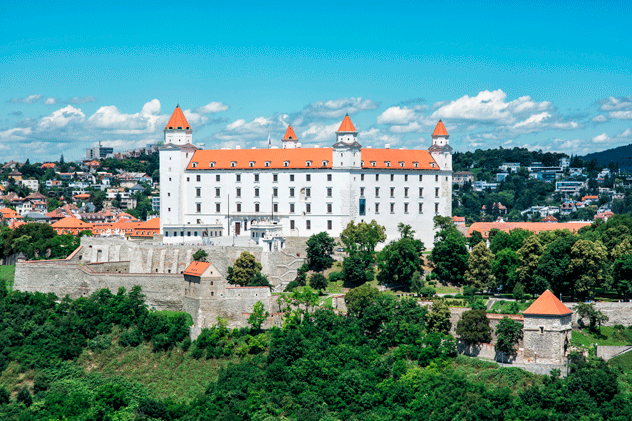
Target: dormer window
x=432 y=164
x=233 y=164
x=401 y=164
x=179 y=127
x=388 y=163
x=252 y=163
x=267 y=163
x=308 y=163
x=212 y=165
x=373 y=163
x=286 y=163
x=194 y=165
x=416 y=164
x=325 y=163
x=362 y=163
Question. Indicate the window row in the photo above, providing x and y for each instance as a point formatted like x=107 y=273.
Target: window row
x=308 y=177
x=406 y=190
x=308 y=224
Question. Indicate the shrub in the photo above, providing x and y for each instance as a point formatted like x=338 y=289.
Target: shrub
x=132 y=337
x=24 y=396
x=41 y=382
x=100 y=342
x=318 y=281
x=197 y=353
x=186 y=344
x=4 y=396
x=336 y=276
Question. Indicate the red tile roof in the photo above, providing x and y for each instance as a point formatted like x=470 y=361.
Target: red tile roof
x=549 y=218
x=71 y=222
x=177 y=121
x=440 y=130
x=196 y=268
x=299 y=157
x=347 y=125
x=549 y=305
x=589 y=198
x=458 y=219
x=289 y=134
x=535 y=227
x=8 y=213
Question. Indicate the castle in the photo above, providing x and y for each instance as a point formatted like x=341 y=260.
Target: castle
x=295 y=191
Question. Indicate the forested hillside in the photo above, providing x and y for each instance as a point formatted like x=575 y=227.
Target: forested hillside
x=387 y=359
x=621 y=156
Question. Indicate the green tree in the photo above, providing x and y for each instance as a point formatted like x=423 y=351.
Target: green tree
x=399 y=261
x=504 y=269
x=528 y=258
x=354 y=270
x=258 y=316
x=405 y=230
x=473 y=327
x=24 y=396
x=475 y=238
x=200 y=256
x=439 y=317
x=320 y=248
x=360 y=298
x=595 y=317
x=554 y=270
x=244 y=269
x=622 y=274
x=449 y=257
x=362 y=239
x=417 y=283
x=587 y=265
x=318 y=281
x=479 y=272
x=508 y=334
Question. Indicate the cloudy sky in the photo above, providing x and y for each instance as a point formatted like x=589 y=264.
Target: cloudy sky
x=552 y=75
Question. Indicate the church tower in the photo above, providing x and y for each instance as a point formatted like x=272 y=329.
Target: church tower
x=347 y=150
x=177 y=131
x=289 y=140
x=441 y=150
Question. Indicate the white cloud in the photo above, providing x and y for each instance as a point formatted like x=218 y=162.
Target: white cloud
x=534 y=120
x=110 y=118
x=62 y=118
x=600 y=119
x=51 y=101
x=601 y=138
x=75 y=100
x=318 y=111
x=488 y=107
x=321 y=133
x=397 y=115
x=616 y=104
x=411 y=127
x=31 y=99
x=212 y=107
x=623 y=115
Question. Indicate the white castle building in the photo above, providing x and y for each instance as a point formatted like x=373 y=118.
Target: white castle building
x=297 y=191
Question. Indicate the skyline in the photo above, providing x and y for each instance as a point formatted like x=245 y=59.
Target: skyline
x=550 y=77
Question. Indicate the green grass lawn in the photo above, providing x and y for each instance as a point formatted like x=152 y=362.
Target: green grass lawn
x=506 y=307
x=447 y=289
x=623 y=361
x=7 y=273
x=586 y=338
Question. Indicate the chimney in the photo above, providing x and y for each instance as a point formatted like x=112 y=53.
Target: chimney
x=387 y=146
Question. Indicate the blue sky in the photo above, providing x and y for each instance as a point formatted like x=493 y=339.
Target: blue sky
x=552 y=75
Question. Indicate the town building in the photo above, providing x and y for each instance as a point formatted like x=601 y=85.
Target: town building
x=303 y=190
x=535 y=227
x=98 y=152
x=510 y=167
x=569 y=187
x=462 y=177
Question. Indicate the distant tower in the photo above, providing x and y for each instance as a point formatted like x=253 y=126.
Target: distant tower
x=177 y=131
x=347 y=150
x=289 y=140
x=441 y=150
x=547 y=330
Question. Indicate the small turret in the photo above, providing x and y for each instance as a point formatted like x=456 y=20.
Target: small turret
x=289 y=140
x=177 y=131
x=441 y=150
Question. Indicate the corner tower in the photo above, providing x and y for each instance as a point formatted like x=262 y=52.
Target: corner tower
x=441 y=150
x=177 y=131
x=289 y=140
x=347 y=150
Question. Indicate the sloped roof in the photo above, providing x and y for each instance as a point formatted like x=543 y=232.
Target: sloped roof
x=347 y=125
x=440 y=130
x=177 y=121
x=71 y=222
x=196 y=268
x=289 y=134
x=393 y=159
x=36 y=195
x=8 y=213
x=549 y=305
x=535 y=227
x=153 y=223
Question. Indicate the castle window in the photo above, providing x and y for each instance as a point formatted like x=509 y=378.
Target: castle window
x=436 y=208
x=276 y=207
x=373 y=163
x=275 y=177
x=238 y=178
x=361 y=177
x=217 y=177
x=388 y=163
x=308 y=224
x=329 y=225
x=401 y=164
x=198 y=178
x=436 y=178
x=218 y=207
x=198 y=191
x=377 y=192
x=291 y=177
x=361 y=191
x=405 y=177
x=194 y=165
x=324 y=163
x=217 y=193
x=256 y=192
x=292 y=224
x=256 y=207
x=432 y=164
x=292 y=210
x=308 y=177
x=238 y=207
x=421 y=208
x=238 y=192
x=362 y=163
x=256 y=177
x=275 y=192
x=437 y=192
x=233 y=164
x=392 y=191
x=542 y=329
x=308 y=208
x=291 y=191
x=251 y=163
x=377 y=208
x=308 y=192
x=329 y=190
x=416 y=164
x=308 y=163
x=329 y=207
x=405 y=207
x=267 y=163
x=286 y=163
x=392 y=177
x=328 y=177
x=212 y=164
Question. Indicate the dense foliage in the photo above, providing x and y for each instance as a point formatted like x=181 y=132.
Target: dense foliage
x=36 y=241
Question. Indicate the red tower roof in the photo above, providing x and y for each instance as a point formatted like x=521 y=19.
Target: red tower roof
x=440 y=130
x=289 y=134
x=547 y=304
x=347 y=125
x=178 y=121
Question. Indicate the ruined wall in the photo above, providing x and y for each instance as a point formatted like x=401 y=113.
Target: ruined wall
x=109 y=267
x=618 y=313
x=163 y=291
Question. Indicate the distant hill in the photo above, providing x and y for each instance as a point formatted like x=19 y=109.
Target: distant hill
x=621 y=155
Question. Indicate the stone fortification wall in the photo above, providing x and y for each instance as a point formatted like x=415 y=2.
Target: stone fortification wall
x=607 y=352
x=67 y=277
x=109 y=267
x=618 y=313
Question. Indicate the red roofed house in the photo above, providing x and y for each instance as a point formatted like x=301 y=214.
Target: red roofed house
x=459 y=221
x=147 y=229
x=535 y=227
x=49 y=165
x=302 y=190
x=71 y=225
x=604 y=216
x=547 y=330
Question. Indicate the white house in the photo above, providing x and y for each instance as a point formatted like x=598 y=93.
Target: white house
x=303 y=190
